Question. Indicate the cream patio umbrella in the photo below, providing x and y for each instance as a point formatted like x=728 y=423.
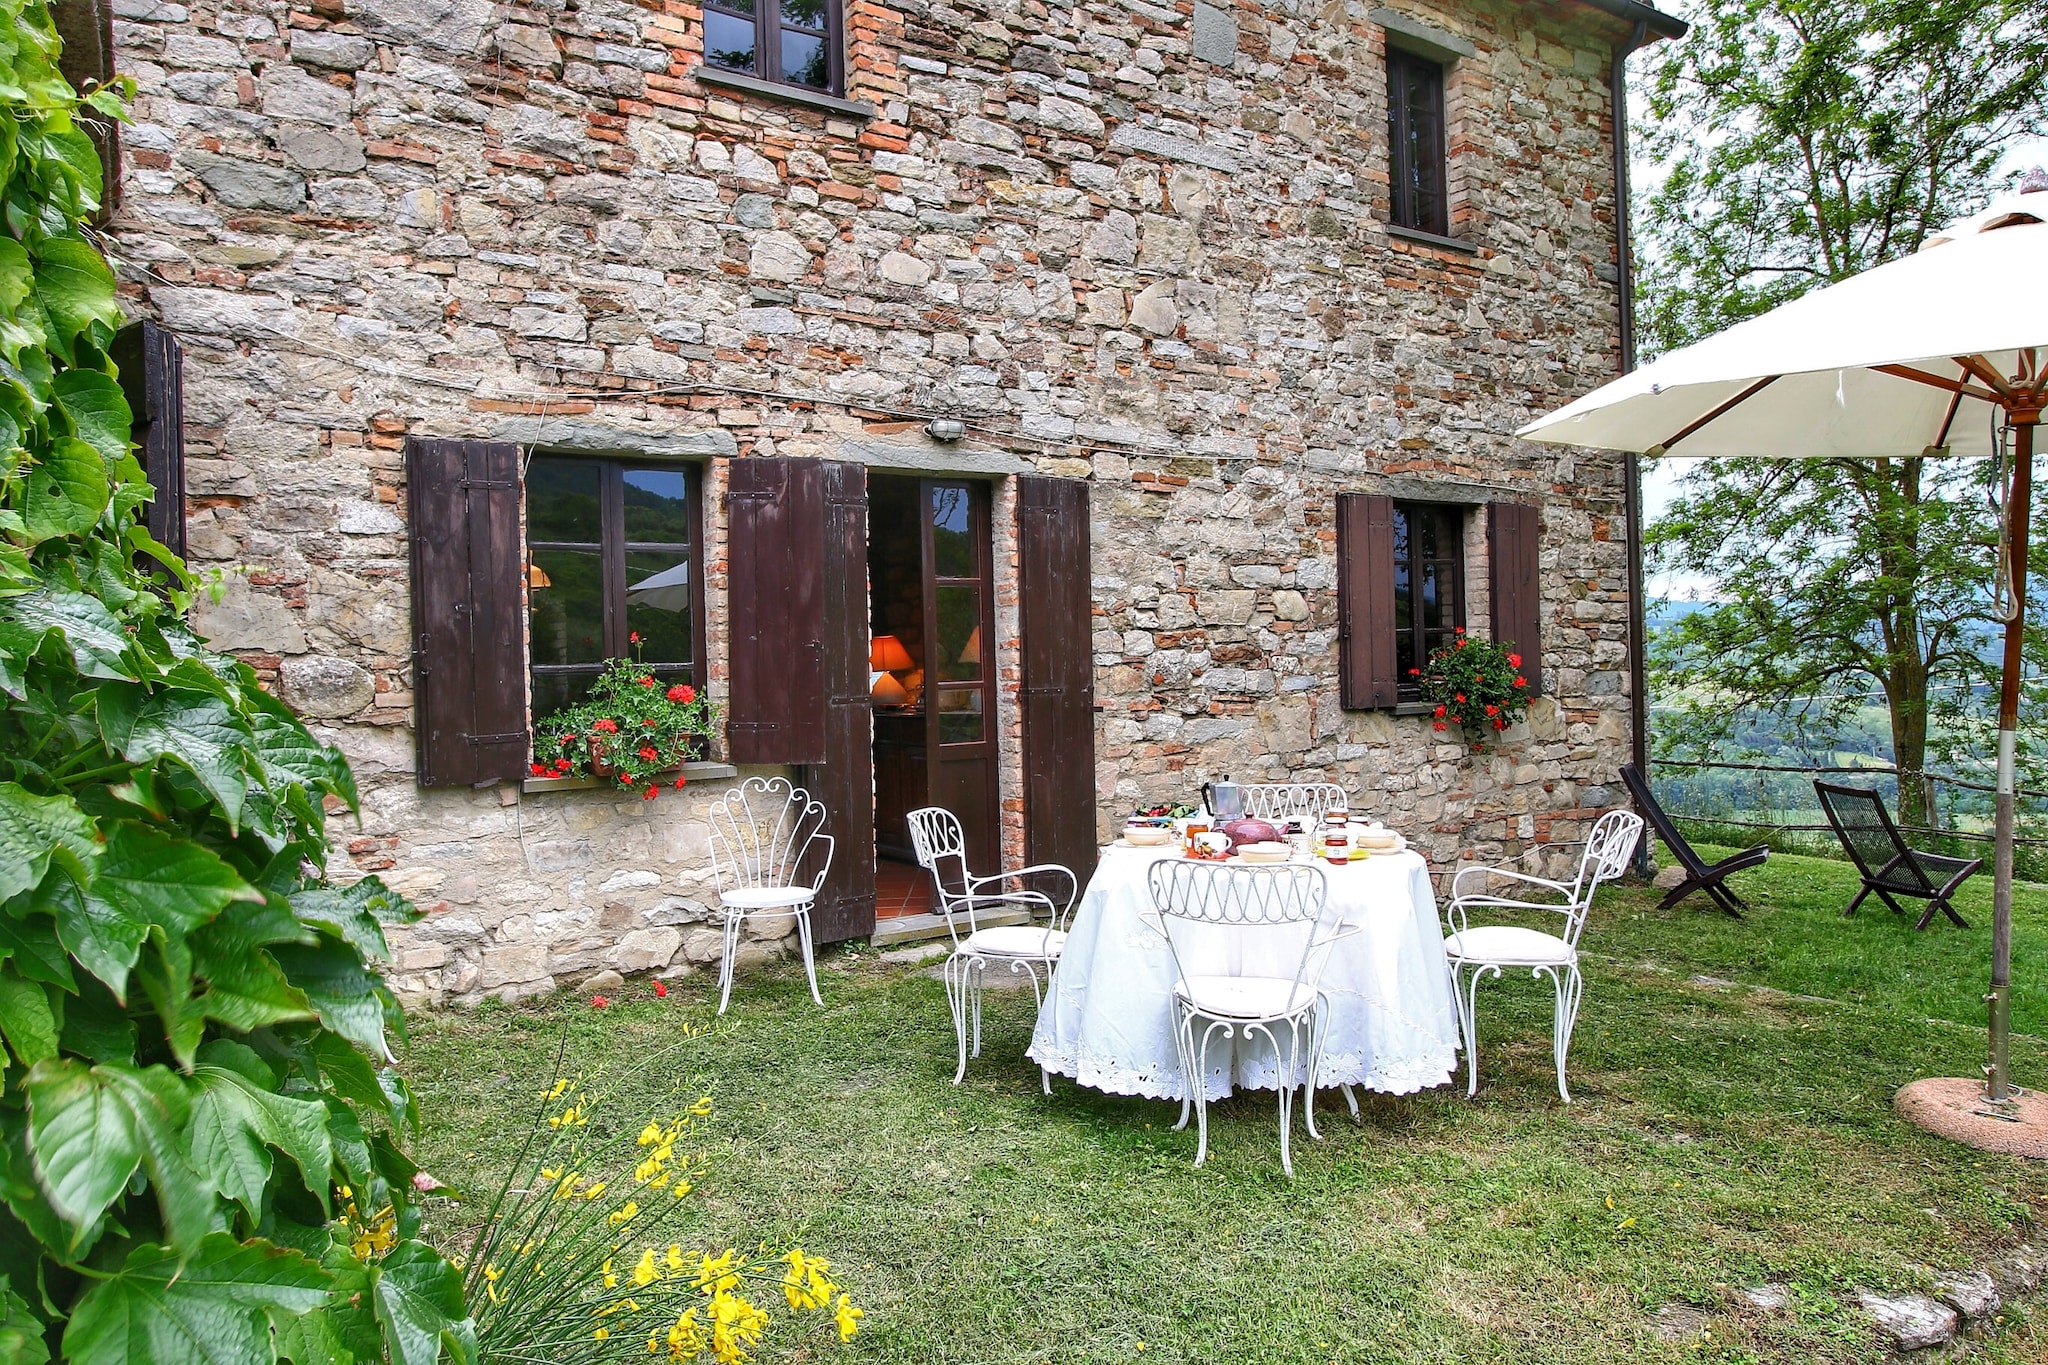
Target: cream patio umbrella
x=1937 y=353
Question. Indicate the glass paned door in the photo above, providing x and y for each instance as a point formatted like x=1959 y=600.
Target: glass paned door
x=959 y=674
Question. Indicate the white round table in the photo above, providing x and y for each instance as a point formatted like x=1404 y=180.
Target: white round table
x=1108 y=1018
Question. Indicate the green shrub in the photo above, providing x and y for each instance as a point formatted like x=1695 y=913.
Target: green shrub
x=195 y=1040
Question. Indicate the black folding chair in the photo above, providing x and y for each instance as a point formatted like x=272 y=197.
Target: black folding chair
x=1700 y=875
x=1890 y=868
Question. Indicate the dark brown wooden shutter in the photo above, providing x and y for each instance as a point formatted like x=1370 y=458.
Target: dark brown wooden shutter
x=86 y=29
x=1366 y=670
x=1055 y=618
x=152 y=368
x=845 y=782
x=469 y=637
x=775 y=546
x=1514 y=533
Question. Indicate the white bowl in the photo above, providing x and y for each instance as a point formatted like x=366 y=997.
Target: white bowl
x=1265 y=852
x=1147 y=836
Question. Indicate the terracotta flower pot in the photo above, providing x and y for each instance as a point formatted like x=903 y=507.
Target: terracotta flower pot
x=600 y=766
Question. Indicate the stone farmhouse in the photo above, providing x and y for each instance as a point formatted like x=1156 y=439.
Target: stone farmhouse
x=1035 y=407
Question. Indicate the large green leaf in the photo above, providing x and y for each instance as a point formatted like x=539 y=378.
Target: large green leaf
x=235 y=1122
x=245 y=988
x=31 y=944
x=97 y=642
x=419 y=1303
x=346 y=996
x=289 y=754
x=98 y=410
x=26 y=1019
x=21 y=1331
x=344 y=911
x=144 y=878
x=91 y=1127
x=16 y=277
x=65 y=490
x=197 y=729
x=208 y=1311
x=84 y=1143
x=31 y=829
x=23 y=1194
x=75 y=288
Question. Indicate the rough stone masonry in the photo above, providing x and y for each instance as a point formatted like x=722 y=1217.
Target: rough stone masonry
x=1138 y=242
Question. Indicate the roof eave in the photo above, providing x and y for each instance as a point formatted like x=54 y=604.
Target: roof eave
x=1654 y=20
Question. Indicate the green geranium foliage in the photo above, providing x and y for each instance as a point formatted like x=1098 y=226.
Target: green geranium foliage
x=201 y=1139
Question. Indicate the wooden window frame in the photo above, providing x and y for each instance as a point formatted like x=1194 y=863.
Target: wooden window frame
x=612 y=548
x=768 y=26
x=1422 y=640
x=980 y=510
x=1402 y=209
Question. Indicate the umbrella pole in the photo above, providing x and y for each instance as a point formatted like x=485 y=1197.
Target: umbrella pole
x=2019 y=513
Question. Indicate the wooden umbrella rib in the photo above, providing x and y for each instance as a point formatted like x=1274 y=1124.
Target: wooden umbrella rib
x=1664 y=447
x=1941 y=382
x=1993 y=380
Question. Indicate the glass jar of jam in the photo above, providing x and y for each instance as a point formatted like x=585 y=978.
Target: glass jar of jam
x=1337 y=837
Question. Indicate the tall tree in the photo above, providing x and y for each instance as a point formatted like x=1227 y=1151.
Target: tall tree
x=1799 y=142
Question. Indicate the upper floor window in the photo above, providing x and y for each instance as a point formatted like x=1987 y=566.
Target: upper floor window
x=791 y=42
x=1429 y=584
x=612 y=573
x=1415 y=137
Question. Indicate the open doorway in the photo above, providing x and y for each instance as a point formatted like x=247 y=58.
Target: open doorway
x=932 y=678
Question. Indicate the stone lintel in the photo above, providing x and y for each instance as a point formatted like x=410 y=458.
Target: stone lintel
x=1412 y=35
x=583 y=436
x=934 y=457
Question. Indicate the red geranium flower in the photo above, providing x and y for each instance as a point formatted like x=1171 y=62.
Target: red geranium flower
x=1414 y=672
x=660 y=991
x=682 y=694
x=1437 y=724
x=1461 y=696
x=653 y=790
x=1440 y=711
x=634 y=637
x=540 y=770
x=563 y=765
x=1491 y=710
x=598 y=1002
x=568 y=739
x=1514 y=661
x=649 y=722
x=1521 y=682
x=1461 y=630
x=680 y=780
x=1500 y=725
x=606 y=724
x=647 y=681
x=649 y=752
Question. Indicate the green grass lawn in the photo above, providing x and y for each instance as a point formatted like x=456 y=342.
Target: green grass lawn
x=1719 y=1136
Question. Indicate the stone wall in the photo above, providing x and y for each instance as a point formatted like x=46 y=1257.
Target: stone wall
x=1134 y=242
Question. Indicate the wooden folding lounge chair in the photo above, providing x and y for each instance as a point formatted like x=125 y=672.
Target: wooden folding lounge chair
x=1890 y=868
x=1700 y=875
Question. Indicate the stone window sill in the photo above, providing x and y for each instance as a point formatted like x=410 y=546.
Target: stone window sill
x=785 y=94
x=693 y=771
x=1413 y=708
x=1442 y=243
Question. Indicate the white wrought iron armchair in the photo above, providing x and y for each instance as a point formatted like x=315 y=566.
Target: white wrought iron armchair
x=1490 y=948
x=764 y=834
x=1279 y=802
x=1193 y=903
x=941 y=848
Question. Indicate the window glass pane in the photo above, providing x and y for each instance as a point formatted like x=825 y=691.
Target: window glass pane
x=960 y=644
x=1432 y=595
x=562 y=500
x=803 y=59
x=565 y=592
x=804 y=13
x=959 y=715
x=658 y=597
x=553 y=691
x=952 y=532
x=658 y=505
x=728 y=42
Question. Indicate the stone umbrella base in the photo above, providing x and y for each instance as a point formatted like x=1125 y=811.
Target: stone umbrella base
x=1952 y=1107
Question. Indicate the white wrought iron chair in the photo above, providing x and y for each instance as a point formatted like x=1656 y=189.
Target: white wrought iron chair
x=764 y=834
x=941 y=848
x=1279 y=802
x=1488 y=948
x=1197 y=901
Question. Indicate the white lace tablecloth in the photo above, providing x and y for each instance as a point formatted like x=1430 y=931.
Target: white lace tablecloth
x=1108 y=1019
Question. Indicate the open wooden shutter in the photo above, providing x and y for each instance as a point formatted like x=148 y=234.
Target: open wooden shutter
x=775 y=548
x=1514 y=543
x=152 y=366
x=469 y=637
x=845 y=781
x=1055 y=618
x=1366 y=673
